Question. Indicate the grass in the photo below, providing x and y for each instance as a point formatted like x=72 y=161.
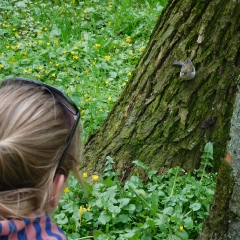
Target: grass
x=88 y=49
x=170 y=207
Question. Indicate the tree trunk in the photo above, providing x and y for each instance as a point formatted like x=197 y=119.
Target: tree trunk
x=223 y=221
x=161 y=119
x=165 y=121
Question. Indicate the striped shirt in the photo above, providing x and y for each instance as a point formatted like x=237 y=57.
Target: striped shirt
x=38 y=228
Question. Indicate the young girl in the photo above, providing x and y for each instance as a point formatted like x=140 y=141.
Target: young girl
x=39 y=146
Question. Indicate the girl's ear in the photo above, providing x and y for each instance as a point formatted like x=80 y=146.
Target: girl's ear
x=57 y=189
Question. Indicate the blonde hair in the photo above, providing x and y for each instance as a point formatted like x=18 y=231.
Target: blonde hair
x=33 y=133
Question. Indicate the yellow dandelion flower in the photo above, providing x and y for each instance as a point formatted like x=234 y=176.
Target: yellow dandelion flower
x=41 y=67
x=48 y=43
x=85 y=11
x=66 y=190
x=129 y=74
x=56 y=42
x=85 y=175
x=109 y=99
x=54 y=75
x=180 y=228
x=75 y=57
x=82 y=112
x=45 y=29
x=89 y=208
x=86 y=71
x=25 y=71
x=107 y=58
x=18 y=46
x=81 y=211
x=7 y=47
x=85 y=95
x=16 y=35
x=39 y=31
x=100 y=110
x=95 y=177
x=57 y=64
x=109 y=23
x=97 y=45
x=90 y=99
x=40 y=42
x=1 y=66
x=30 y=69
x=106 y=82
x=93 y=63
x=83 y=19
x=38 y=76
x=75 y=14
x=110 y=6
x=128 y=39
x=81 y=102
x=131 y=53
x=140 y=49
x=25 y=52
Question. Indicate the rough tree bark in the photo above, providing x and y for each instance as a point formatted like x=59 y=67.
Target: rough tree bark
x=164 y=121
x=160 y=119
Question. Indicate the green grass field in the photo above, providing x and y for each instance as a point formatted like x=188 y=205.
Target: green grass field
x=86 y=48
x=89 y=49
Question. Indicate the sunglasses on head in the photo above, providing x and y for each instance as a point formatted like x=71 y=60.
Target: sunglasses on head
x=67 y=103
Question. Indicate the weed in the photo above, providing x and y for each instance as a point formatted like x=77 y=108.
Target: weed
x=86 y=48
x=169 y=206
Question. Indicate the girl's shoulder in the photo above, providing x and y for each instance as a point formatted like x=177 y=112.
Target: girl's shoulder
x=34 y=228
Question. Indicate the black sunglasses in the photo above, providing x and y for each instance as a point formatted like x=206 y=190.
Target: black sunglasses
x=63 y=99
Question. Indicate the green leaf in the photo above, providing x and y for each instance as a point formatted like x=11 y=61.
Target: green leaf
x=168 y=211
x=61 y=218
x=195 y=206
x=104 y=218
x=123 y=202
x=188 y=222
x=55 y=32
x=183 y=234
x=124 y=218
x=21 y=4
x=208 y=151
x=130 y=207
x=135 y=236
x=115 y=210
x=97 y=233
x=154 y=204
